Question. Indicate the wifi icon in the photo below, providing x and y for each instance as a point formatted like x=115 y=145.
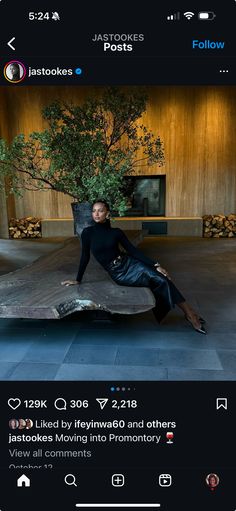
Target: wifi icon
x=188 y=15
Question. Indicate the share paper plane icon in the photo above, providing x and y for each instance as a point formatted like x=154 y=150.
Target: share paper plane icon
x=102 y=401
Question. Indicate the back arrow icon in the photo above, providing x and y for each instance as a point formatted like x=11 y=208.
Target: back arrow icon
x=9 y=43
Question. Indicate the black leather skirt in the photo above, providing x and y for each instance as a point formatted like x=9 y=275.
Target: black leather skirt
x=127 y=271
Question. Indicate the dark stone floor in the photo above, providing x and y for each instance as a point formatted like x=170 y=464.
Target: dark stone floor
x=89 y=346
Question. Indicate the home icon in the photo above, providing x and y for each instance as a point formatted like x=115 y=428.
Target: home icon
x=23 y=481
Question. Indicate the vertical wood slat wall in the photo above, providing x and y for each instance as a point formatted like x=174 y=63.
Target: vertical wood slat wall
x=197 y=125
x=7 y=205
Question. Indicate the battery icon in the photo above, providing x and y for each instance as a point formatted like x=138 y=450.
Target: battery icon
x=206 y=16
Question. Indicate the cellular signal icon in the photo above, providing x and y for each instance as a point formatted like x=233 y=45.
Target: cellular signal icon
x=188 y=15
x=174 y=17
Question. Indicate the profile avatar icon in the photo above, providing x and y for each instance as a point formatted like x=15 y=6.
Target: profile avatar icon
x=28 y=423
x=13 y=423
x=14 y=71
x=22 y=424
x=212 y=481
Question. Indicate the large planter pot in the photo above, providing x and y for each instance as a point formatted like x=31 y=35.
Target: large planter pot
x=82 y=214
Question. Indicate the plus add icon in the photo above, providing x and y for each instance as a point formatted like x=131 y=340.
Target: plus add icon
x=118 y=480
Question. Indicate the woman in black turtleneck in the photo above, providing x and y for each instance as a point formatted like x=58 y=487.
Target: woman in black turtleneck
x=132 y=268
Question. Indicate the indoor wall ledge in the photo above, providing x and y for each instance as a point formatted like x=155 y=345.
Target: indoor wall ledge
x=175 y=226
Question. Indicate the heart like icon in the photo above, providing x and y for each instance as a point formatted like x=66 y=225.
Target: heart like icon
x=14 y=402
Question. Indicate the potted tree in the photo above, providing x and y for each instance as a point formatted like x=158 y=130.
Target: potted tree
x=85 y=152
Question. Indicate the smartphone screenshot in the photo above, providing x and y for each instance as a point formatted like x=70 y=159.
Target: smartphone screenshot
x=117 y=256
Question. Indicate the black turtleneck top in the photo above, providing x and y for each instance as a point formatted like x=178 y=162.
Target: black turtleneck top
x=103 y=241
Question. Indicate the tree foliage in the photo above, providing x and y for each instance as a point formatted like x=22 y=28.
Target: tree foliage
x=86 y=150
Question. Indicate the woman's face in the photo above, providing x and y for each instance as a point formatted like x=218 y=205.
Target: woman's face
x=99 y=212
x=13 y=423
x=14 y=69
x=212 y=481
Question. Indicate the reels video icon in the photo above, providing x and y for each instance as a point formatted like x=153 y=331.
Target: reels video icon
x=165 y=480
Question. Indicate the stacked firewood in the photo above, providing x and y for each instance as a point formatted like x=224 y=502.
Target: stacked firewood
x=29 y=227
x=219 y=226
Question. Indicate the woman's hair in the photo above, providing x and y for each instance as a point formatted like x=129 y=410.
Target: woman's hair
x=102 y=202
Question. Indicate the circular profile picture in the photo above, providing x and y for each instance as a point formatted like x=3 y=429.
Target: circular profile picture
x=29 y=423
x=22 y=424
x=13 y=424
x=212 y=481
x=14 y=71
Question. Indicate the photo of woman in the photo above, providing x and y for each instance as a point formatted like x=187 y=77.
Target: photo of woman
x=132 y=268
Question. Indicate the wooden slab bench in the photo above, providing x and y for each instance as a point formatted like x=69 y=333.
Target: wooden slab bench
x=35 y=291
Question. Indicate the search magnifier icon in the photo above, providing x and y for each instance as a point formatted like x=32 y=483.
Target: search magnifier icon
x=70 y=480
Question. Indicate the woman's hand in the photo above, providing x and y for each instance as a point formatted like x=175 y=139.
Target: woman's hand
x=162 y=270
x=69 y=282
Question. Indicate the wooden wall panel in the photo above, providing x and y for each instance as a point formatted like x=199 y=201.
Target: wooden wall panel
x=7 y=205
x=197 y=125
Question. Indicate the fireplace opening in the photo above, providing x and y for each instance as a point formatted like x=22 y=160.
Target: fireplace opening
x=146 y=195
